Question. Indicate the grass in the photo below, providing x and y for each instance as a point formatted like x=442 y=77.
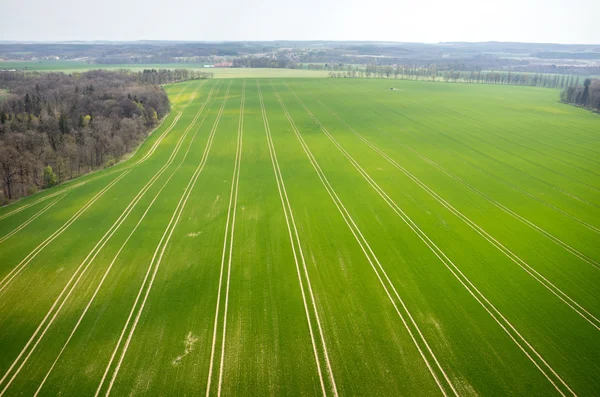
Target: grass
x=439 y=237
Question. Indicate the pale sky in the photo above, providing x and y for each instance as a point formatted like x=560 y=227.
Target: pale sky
x=547 y=21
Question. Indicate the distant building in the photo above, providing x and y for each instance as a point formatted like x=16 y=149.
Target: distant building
x=223 y=65
x=209 y=66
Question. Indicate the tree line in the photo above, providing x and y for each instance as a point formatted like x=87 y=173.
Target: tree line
x=55 y=126
x=166 y=76
x=586 y=95
x=261 y=62
x=433 y=73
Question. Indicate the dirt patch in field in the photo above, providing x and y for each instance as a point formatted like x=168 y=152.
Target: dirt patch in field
x=189 y=342
x=465 y=388
x=213 y=208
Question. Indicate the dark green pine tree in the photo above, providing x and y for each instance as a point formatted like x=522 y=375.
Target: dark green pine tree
x=28 y=104
x=586 y=91
x=63 y=124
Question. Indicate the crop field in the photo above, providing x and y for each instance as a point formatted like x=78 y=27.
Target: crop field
x=318 y=237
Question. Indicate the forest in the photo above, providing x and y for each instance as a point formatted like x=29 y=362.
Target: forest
x=55 y=126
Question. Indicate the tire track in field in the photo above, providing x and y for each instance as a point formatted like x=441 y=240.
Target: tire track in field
x=547 y=234
x=379 y=270
x=297 y=251
x=166 y=132
x=523 y=158
x=28 y=221
x=17 y=269
x=79 y=273
x=227 y=254
x=524 y=172
x=570 y=139
x=74 y=186
x=182 y=89
x=17 y=210
x=570 y=302
x=160 y=138
x=499 y=136
x=542 y=143
x=518 y=189
x=530 y=195
x=515 y=215
x=493 y=159
x=550 y=374
x=489 y=174
x=506 y=183
x=106 y=273
x=156 y=261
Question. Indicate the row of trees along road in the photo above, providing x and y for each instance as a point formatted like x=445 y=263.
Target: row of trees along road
x=438 y=73
x=54 y=126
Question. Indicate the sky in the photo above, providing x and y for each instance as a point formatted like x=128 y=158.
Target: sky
x=430 y=21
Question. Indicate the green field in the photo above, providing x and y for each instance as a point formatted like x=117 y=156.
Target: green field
x=318 y=237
